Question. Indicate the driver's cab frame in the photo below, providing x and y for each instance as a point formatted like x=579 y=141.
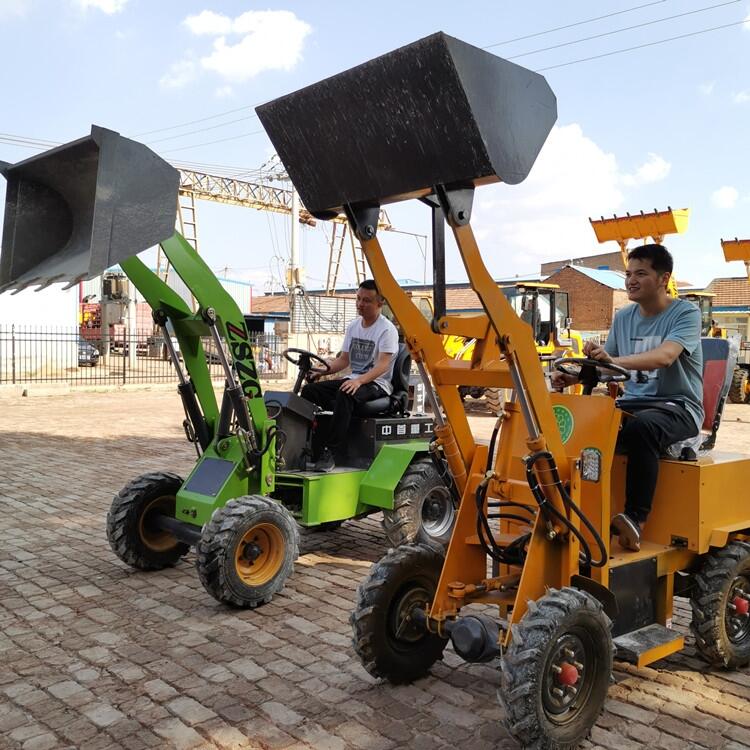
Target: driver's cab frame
x=545 y=307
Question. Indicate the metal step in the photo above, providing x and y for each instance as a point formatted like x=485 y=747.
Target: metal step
x=648 y=644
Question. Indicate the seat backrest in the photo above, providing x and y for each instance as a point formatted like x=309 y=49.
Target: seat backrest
x=719 y=360
x=401 y=370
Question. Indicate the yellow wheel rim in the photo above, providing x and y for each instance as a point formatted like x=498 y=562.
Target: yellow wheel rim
x=155 y=539
x=259 y=554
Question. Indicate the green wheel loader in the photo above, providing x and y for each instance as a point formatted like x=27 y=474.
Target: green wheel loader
x=76 y=210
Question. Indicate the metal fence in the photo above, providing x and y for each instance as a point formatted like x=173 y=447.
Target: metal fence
x=78 y=357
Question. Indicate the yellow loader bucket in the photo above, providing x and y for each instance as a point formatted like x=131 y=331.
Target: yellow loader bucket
x=75 y=210
x=641 y=225
x=736 y=249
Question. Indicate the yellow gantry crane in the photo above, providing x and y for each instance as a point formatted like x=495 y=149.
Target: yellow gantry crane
x=641 y=226
x=739 y=393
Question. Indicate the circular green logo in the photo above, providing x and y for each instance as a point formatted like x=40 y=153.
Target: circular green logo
x=565 y=421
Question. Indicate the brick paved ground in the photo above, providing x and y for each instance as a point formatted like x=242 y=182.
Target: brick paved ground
x=94 y=655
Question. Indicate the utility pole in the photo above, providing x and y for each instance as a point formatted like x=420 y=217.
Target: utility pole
x=295 y=273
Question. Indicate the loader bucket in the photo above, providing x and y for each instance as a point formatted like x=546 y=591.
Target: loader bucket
x=435 y=112
x=75 y=210
x=736 y=250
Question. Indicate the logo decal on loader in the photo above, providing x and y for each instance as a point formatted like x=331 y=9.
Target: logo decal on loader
x=565 y=421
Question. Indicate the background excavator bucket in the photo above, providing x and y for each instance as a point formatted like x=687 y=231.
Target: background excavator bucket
x=435 y=112
x=75 y=210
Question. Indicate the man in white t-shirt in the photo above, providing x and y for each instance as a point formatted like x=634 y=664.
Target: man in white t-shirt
x=369 y=348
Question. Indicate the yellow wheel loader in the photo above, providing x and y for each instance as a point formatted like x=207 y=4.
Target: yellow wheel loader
x=432 y=121
x=739 y=393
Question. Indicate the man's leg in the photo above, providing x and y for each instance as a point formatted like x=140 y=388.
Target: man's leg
x=644 y=437
x=344 y=408
x=323 y=394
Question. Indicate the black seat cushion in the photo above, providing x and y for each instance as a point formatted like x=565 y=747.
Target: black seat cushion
x=397 y=401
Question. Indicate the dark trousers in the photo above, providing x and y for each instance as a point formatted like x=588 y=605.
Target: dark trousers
x=329 y=396
x=645 y=435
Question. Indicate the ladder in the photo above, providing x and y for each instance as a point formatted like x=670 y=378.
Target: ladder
x=339 y=235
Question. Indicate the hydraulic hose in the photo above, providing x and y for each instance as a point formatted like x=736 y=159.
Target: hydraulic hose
x=547 y=508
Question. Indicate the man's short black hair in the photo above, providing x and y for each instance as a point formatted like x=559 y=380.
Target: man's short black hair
x=371 y=286
x=660 y=257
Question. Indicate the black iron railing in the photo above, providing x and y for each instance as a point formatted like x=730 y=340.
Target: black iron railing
x=78 y=357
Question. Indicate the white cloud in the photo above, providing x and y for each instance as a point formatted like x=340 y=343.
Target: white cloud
x=14 y=8
x=208 y=22
x=707 y=88
x=179 y=74
x=725 y=197
x=741 y=97
x=223 y=92
x=546 y=216
x=653 y=170
x=105 y=6
x=251 y=43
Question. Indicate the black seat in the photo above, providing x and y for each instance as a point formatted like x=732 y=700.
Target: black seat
x=395 y=404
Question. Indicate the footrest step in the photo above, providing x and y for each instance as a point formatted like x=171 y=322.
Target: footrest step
x=648 y=644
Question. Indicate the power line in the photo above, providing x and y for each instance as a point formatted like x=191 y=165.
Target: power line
x=572 y=25
x=641 y=46
x=624 y=28
x=223 y=124
x=202 y=119
x=210 y=143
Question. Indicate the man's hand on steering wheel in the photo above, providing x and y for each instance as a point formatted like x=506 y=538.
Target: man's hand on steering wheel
x=304 y=361
x=587 y=370
x=592 y=350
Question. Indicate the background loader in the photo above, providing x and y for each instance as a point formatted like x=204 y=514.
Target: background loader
x=76 y=210
x=560 y=601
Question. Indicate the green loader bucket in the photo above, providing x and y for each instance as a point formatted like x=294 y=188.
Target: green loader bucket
x=435 y=112
x=75 y=210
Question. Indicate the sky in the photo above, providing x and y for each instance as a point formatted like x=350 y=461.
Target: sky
x=653 y=111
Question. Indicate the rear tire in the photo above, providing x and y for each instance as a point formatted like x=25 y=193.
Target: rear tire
x=130 y=530
x=722 y=637
x=247 y=551
x=493 y=399
x=423 y=508
x=565 y=631
x=388 y=645
x=738 y=389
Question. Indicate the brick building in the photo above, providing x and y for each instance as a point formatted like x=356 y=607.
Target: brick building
x=731 y=304
x=594 y=295
x=604 y=261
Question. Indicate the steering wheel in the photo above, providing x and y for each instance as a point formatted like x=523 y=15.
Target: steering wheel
x=587 y=371
x=304 y=362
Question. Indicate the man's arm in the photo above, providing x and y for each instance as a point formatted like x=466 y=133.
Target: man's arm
x=655 y=359
x=338 y=363
x=382 y=364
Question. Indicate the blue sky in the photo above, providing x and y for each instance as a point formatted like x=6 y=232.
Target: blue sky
x=666 y=124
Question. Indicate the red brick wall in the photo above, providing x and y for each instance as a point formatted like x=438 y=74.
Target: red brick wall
x=591 y=304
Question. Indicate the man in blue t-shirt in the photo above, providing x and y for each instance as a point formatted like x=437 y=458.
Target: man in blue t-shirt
x=658 y=339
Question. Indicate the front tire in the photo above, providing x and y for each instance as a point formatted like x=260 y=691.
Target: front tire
x=131 y=531
x=247 y=551
x=556 y=671
x=720 y=600
x=738 y=389
x=389 y=644
x=423 y=508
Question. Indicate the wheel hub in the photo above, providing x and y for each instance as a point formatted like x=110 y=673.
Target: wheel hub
x=738 y=610
x=565 y=683
x=259 y=554
x=438 y=512
x=252 y=551
x=404 y=626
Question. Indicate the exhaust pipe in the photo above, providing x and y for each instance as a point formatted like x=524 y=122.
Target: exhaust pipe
x=75 y=210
